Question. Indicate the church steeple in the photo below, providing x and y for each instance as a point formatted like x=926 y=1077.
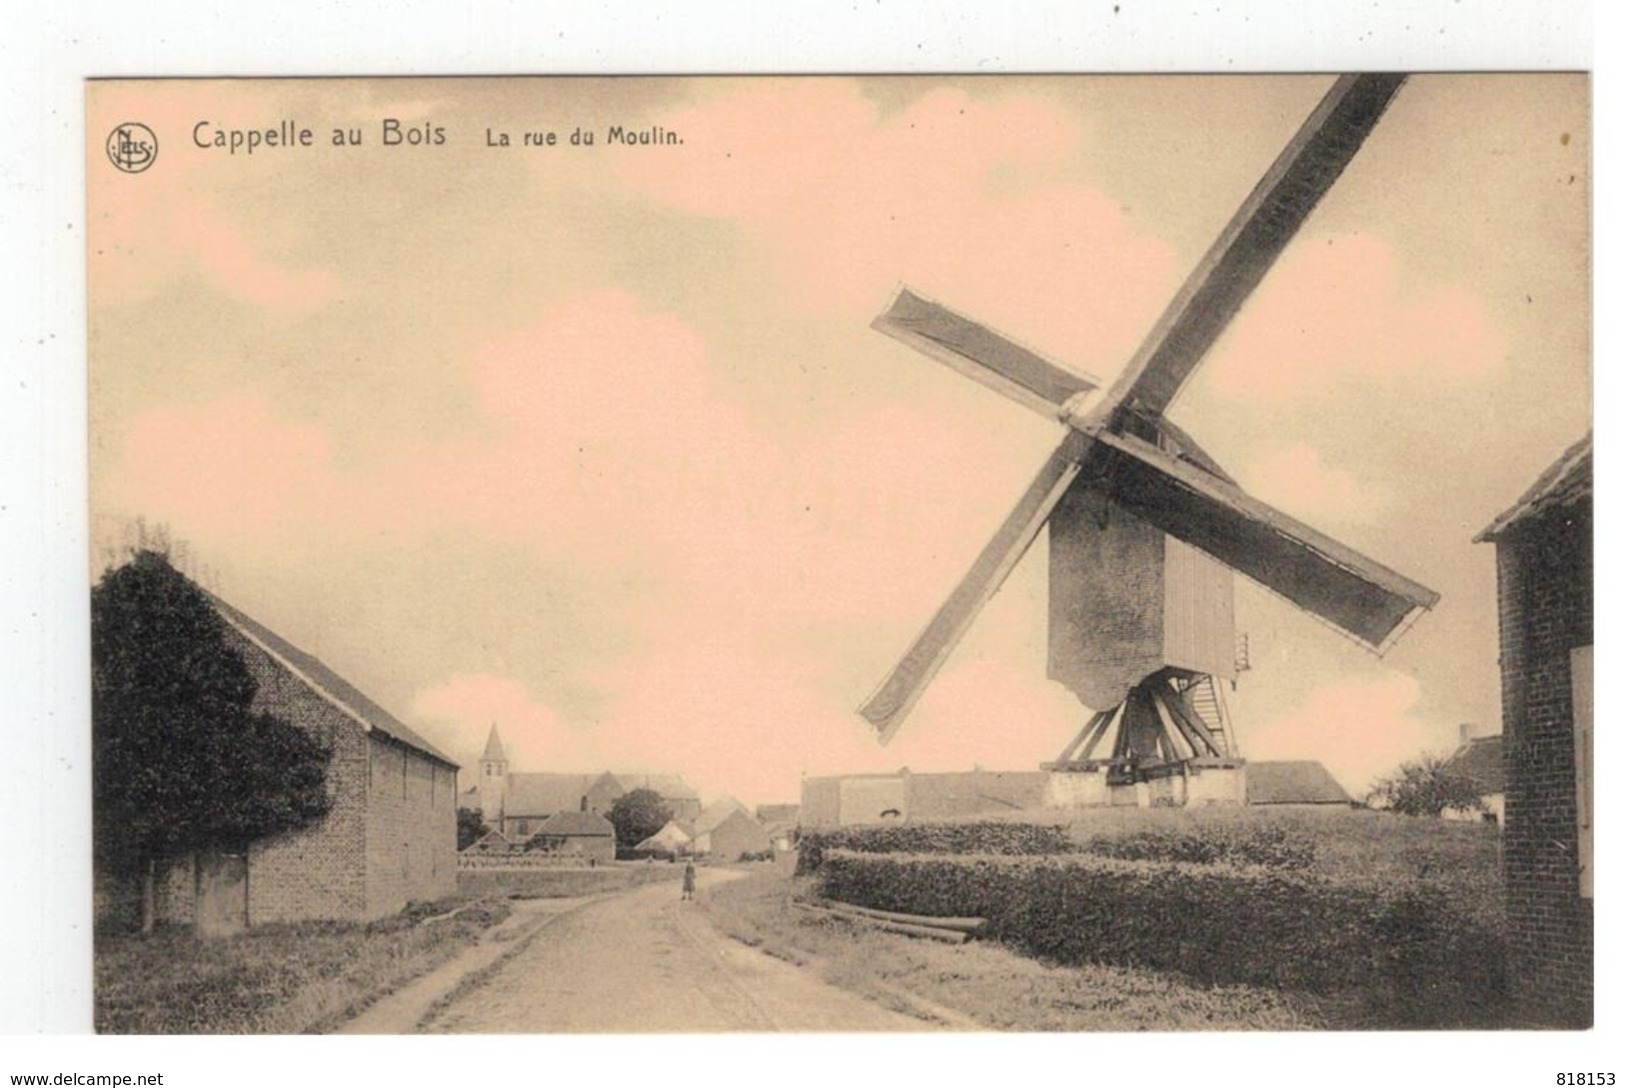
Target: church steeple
x=493 y=784
x=493 y=747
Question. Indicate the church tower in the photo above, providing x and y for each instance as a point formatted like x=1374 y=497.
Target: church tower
x=493 y=784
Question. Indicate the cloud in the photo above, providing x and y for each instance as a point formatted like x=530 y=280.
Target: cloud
x=168 y=222
x=1339 y=311
x=1359 y=730
x=1295 y=479
x=533 y=734
x=965 y=199
x=230 y=466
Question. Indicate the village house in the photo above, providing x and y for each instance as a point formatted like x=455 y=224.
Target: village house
x=738 y=834
x=1543 y=564
x=672 y=840
x=1481 y=761
x=518 y=803
x=586 y=835
x=390 y=837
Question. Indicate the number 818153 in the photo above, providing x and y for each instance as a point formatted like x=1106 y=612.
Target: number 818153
x=1585 y=1080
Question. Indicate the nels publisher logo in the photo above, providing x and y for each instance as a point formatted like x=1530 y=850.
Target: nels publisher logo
x=132 y=147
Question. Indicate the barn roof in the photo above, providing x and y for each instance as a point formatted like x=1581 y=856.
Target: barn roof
x=575 y=825
x=1565 y=482
x=327 y=683
x=543 y=793
x=1293 y=782
x=670 y=787
x=1480 y=761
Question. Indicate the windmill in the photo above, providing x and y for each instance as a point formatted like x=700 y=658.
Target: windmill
x=1145 y=529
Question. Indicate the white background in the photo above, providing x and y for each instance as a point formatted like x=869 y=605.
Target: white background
x=44 y=709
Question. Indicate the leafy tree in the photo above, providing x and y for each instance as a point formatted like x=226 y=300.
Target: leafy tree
x=636 y=816
x=471 y=827
x=1426 y=787
x=180 y=761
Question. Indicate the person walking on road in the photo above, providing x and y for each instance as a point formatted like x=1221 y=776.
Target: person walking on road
x=688 y=880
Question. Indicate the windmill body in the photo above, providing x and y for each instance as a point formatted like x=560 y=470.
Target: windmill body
x=1146 y=531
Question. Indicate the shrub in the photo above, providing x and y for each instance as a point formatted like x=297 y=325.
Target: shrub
x=987 y=837
x=1273 y=847
x=1419 y=960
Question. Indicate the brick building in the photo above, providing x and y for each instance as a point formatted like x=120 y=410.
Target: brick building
x=1543 y=565
x=389 y=838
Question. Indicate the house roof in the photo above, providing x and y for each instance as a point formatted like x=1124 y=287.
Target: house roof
x=575 y=824
x=1293 y=782
x=1565 y=482
x=741 y=817
x=778 y=814
x=492 y=838
x=327 y=683
x=670 y=835
x=1479 y=760
x=715 y=813
x=544 y=793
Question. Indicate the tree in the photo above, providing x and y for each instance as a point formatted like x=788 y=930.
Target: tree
x=180 y=760
x=636 y=816
x=1426 y=787
x=471 y=827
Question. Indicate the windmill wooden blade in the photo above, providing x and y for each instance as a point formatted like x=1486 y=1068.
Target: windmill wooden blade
x=896 y=696
x=1359 y=595
x=981 y=354
x=1250 y=242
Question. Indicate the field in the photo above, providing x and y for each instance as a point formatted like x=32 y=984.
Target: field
x=279 y=979
x=1249 y=918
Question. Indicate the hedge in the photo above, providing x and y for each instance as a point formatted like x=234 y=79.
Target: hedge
x=1215 y=842
x=1242 y=844
x=1413 y=956
x=985 y=837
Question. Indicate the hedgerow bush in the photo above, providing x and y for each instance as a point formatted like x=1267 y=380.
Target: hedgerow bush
x=985 y=837
x=1406 y=948
x=1271 y=846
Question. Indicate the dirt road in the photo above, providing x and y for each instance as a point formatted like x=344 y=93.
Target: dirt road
x=643 y=961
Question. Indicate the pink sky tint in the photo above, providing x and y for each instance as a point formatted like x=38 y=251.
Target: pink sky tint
x=1360 y=729
x=148 y=232
x=1341 y=310
x=1296 y=479
x=534 y=736
x=229 y=467
x=965 y=199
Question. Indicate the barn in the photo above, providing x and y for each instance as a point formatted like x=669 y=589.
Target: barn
x=390 y=837
x=1543 y=567
x=1298 y=783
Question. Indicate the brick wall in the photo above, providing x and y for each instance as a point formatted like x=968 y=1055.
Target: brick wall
x=317 y=872
x=411 y=827
x=1544 y=582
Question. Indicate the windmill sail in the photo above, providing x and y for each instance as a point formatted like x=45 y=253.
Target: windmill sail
x=981 y=354
x=1250 y=242
x=891 y=702
x=1333 y=581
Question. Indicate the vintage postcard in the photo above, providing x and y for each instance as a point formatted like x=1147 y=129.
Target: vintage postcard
x=891 y=554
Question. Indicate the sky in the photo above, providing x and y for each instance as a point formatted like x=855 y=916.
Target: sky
x=596 y=443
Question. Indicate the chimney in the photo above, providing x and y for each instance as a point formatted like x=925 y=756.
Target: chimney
x=1466 y=732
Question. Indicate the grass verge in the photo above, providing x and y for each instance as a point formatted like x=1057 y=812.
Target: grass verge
x=280 y=979
x=984 y=983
